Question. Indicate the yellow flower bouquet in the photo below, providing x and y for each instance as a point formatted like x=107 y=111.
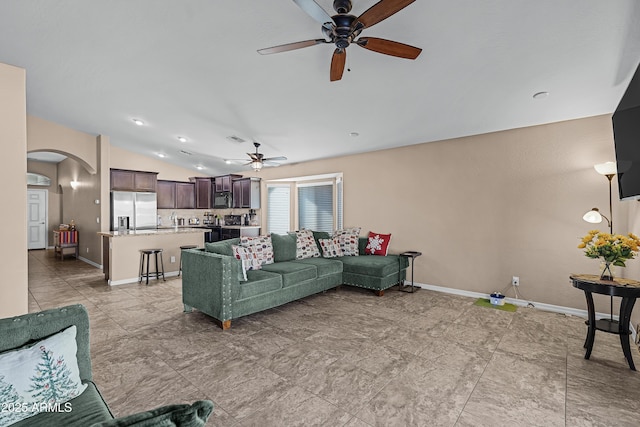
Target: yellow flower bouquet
x=614 y=249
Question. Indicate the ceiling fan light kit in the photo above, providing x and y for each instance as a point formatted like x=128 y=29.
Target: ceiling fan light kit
x=343 y=29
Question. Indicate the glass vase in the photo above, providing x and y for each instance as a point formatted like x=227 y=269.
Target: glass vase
x=606 y=274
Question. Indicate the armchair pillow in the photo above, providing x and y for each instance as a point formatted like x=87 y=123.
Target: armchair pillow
x=195 y=415
x=39 y=377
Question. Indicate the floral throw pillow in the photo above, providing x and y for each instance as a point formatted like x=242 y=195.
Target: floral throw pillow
x=261 y=246
x=330 y=248
x=306 y=245
x=348 y=239
x=41 y=377
x=377 y=244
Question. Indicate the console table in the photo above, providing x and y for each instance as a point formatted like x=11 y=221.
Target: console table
x=628 y=289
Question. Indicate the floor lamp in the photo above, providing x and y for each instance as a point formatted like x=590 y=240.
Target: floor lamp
x=594 y=216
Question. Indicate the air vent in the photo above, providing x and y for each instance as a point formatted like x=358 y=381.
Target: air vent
x=186 y=153
x=234 y=138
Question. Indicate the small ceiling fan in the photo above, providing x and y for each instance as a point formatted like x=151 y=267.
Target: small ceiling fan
x=344 y=29
x=258 y=161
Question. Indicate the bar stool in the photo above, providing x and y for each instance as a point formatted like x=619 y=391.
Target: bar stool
x=181 y=249
x=158 y=272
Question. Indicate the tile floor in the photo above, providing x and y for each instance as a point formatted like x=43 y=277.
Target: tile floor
x=344 y=358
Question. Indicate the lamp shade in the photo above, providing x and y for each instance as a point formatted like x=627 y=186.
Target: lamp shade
x=607 y=168
x=593 y=216
x=256 y=165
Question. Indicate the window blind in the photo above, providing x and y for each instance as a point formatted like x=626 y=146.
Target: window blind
x=315 y=207
x=278 y=203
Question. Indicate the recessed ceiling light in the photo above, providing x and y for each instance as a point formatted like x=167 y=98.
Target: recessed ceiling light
x=200 y=167
x=182 y=139
x=162 y=155
x=138 y=122
x=540 y=95
x=228 y=162
x=354 y=134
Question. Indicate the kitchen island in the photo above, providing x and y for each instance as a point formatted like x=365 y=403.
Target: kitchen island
x=121 y=250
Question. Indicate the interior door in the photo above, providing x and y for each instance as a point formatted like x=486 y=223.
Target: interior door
x=37 y=219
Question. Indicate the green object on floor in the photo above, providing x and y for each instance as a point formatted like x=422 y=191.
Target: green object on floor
x=484 y=302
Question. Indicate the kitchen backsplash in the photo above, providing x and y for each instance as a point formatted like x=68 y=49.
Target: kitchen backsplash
x=165 y=214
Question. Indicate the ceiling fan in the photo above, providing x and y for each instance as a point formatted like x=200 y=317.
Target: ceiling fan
x=344 y=29
x=258 y=161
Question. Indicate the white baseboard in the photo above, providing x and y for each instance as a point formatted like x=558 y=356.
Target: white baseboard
x=88 y=261
x=135 y=279
x=524 y=303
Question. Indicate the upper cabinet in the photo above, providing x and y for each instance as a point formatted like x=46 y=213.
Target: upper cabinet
x=246 y=193
x=203 y=192
x=225 y=182
x=128 y=180
x=176 y=195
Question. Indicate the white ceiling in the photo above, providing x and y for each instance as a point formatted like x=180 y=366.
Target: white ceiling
x=190 y=68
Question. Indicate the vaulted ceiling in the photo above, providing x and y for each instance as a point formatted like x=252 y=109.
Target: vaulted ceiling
x=191 y=68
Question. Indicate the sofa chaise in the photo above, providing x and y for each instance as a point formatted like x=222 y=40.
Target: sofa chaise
x=212 y=277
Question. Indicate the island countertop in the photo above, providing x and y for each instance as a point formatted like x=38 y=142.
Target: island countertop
x=152 y=231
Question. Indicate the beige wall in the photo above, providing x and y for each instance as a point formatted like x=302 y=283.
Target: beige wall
x=123 y=159
x=487 y=207
x=13 y=138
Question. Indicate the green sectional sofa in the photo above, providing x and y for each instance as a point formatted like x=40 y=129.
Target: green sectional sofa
x=212 y=277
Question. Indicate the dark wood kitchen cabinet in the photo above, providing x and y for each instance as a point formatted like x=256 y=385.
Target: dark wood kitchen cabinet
x=185 y=195
x=225 y=182
x=129 y=180
x=166 y=194
x=203 y=192
x=246 y=193
x=176 y=195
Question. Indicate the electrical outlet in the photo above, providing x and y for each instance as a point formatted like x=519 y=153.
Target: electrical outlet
x=515 y=281
x=173 y=259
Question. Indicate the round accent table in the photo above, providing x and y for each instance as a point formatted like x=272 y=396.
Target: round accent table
x=628 y=289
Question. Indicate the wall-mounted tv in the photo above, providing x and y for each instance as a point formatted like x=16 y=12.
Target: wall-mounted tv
x=626 y=133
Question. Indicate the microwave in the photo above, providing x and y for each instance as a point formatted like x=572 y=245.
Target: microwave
x=223 y=200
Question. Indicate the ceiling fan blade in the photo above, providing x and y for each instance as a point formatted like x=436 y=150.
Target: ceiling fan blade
x=254 y=156
x=337 y=64
x=277 y=159
x=290 y=46
x=271 y=164
x=381 y=11
x=389 y=47
x=314 y=10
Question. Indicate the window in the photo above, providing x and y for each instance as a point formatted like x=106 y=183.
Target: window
x=312 y=202
x=315 y=206
x=278 y=204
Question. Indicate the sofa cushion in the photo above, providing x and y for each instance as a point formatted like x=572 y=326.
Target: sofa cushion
x=87 y=409
x=248 y=261
x=324 y=266
x=259 y=282
x=371 y=265
x=284 y=247
x=331 y=248
x=222 y=247
x=292 y=272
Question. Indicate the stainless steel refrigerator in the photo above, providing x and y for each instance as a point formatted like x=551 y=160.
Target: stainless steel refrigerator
x=141 y=209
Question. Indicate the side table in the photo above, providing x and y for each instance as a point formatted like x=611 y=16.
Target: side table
x=629 y=290
x=412 y=255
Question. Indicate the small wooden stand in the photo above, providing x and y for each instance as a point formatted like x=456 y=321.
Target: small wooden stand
x=64 y=240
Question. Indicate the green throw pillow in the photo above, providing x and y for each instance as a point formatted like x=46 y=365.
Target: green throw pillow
x=195 y=415
x=222 y=247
